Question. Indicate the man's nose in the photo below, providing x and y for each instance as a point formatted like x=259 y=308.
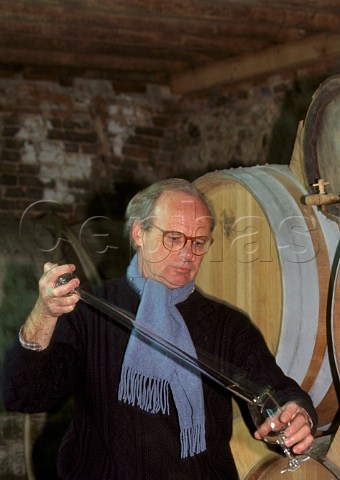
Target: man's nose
x=186 y=250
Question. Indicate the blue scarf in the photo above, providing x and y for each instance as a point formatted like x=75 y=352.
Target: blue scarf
x=147 y=372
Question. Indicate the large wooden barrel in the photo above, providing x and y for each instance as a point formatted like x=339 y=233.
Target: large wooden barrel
x=334 y=297
x=272 y=258
x=321 y=146
x=269 y=468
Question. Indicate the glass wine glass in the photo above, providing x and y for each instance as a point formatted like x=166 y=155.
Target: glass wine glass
x=266 y=415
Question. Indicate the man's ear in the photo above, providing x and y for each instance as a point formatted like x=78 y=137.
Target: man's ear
x=137 y=233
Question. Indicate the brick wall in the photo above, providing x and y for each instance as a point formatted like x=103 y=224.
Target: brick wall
x=81 y=141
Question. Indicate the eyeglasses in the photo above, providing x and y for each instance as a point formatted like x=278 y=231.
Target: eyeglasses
x=174 y=241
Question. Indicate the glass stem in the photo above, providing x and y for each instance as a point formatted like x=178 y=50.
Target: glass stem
x=287 y=451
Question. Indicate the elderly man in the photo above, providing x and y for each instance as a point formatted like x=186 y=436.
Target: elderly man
x=139 y=414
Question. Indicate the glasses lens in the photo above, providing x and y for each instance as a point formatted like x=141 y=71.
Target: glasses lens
x=200 y=245
x=174 y=240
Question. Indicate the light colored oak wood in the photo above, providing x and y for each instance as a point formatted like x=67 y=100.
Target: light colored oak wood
x=333 y=454
x=243 y=252
x=296 y=161
x=252 y=265
x=246 y=450
x=269 y=469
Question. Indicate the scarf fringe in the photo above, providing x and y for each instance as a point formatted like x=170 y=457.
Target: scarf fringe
x=192 y=440
x=150 y=394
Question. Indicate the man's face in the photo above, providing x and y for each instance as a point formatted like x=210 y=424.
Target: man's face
x=179 y=212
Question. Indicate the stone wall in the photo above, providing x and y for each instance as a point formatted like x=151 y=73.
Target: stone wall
x=79 y=142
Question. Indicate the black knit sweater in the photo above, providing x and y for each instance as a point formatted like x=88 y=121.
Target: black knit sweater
x=110 y=440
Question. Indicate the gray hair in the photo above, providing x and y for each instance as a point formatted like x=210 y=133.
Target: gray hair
x=141 y=206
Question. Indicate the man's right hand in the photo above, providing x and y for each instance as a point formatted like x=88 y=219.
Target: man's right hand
x=52 y=302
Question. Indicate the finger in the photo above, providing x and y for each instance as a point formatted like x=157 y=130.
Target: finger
x=289 y=412
x=52 y=272
x=70 y=282
x=298 y=435
x=57 y=305
x=49 y=266
x=68 y=288
x=303 y=446
x=51 y=300
x=264 y=429
x=64 y=304
x=306 y=451
x=297 y=419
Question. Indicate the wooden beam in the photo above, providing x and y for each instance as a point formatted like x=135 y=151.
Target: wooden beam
x=26 y=57
x=197 y=48
x=207 y=18
x=309 y=14
x=266 y=62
